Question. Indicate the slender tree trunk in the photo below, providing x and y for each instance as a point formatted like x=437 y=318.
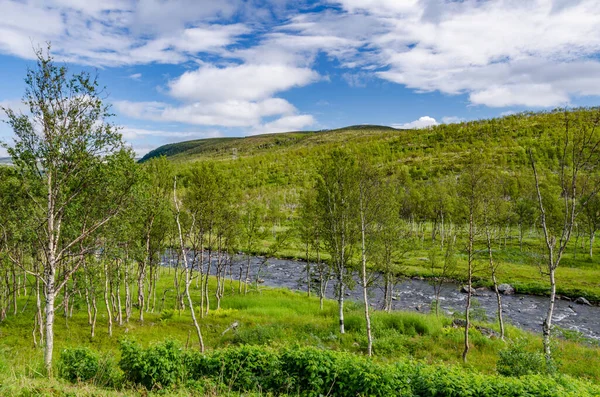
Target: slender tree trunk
x=341 y=301
x=307 y=271
x=247 y=275
x=128 y=302
x=106 y=302
x=364 y=280
x=206 y=299
x=94 y=315
x=142 y=273
x=493 y=273
x=592 y=238
x=547 y=326
x=322 y=281
x=50 y=295
x=187 y=271
x=469 y=285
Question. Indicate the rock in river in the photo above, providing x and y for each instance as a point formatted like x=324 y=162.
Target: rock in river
x=506 y=289
x=465 y=289
x=582 y=301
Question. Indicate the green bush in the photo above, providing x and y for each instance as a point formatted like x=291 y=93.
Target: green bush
x=78 y=364
x=159 y=366
x=308 y=371
x=516 y=361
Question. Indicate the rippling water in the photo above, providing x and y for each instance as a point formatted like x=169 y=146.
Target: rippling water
x=524 y=311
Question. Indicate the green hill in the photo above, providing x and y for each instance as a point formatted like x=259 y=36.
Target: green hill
x=224 y=147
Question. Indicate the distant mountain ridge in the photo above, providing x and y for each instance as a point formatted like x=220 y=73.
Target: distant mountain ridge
x=236 y=145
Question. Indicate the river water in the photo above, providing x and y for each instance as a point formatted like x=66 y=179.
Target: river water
x=524 y=311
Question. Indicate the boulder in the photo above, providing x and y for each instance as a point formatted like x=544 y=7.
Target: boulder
x=465 y=289
x=506 y=289
x=582 y=301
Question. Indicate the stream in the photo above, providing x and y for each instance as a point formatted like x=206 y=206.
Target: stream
x=524 y=311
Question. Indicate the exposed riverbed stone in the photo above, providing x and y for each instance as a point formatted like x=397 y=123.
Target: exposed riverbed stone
x=465 y=289
x=582 y=301
x=506 y=289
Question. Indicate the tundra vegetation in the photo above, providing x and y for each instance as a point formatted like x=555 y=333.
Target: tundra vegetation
x=119 y=278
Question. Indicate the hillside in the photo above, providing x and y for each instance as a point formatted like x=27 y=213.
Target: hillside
x=424 y=153
x=223 y=147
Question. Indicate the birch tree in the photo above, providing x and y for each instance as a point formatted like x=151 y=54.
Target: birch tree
x=563 y=184
x=337 y=206
x=76 y=169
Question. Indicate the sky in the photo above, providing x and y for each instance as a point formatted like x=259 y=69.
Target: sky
x=178 y=70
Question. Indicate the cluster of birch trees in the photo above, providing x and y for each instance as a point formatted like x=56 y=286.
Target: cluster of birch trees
x=367 y=220
x=81 y=222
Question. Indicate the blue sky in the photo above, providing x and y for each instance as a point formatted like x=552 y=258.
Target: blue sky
x=188 y=69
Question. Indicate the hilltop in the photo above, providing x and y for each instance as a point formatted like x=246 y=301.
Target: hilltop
x=423 y=153
x=222 y=147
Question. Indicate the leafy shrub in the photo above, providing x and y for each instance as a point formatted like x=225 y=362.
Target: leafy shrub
x=78 y=364
x=158 y=366
x=390 y=344
x=166 y=314
x=308 y=371
x=516 y=361
x=244 y=368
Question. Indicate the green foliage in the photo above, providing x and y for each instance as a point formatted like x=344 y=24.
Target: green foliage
x=410 y=324
x=515 y=360
x=78 y=364
x=258 y=335
x=308 y=371
x=158 y=366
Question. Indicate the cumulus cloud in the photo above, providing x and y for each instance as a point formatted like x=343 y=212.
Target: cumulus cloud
x=421 y=122
x=117 y=32
x=240 y=82
x=233 y=113
x=286 y=123
x=452 y=119
x=501 y=53
x=504 y=53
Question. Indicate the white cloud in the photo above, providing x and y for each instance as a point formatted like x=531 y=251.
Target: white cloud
x=118 y=32
x=501 y=53
x=452 y=119
x=355 y=79
x=422 y=122
x=286 y=124
x=241 y=82
x=137 y=133
x=135 y=76
x=537 y=53
x=233 y=113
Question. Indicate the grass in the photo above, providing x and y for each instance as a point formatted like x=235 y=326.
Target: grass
x=274 y=317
